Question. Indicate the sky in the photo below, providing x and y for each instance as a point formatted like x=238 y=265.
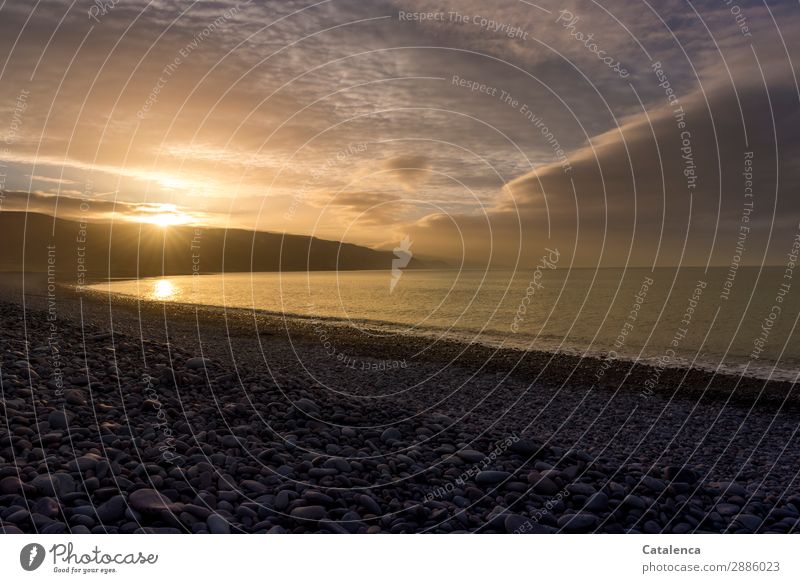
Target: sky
x=617 y=133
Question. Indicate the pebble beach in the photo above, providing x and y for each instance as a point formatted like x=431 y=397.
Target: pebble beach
x=129 y=417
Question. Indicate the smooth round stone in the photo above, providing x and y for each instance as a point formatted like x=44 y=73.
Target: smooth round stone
x=113 y=510
x=218 y=525
x=748 y=521
x=390 y=434
x=370 y=504
x=634 y=501
x=545 y=487
x=597 y=502
x=340 y=464
x=730 y=488
x=317 y=498
x=581 y=489
x=580 y=522
x=57 y=484
x=525 y=447
x=46 y=507
x=19 y=516
x=471 y=456
x=149 y=501
x=282 y=500
x=75 y=397
x=654 y=484
x=491 y=477
x=514 y=523
x=253 y=486
x=230 y=441
x=314 y=513
x=10 y=485
x=727 y=509
x=85 y=462
x=198 y=362
x=59 y=419
x=308 y=406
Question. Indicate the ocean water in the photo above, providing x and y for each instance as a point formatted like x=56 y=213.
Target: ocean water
x=741 y=323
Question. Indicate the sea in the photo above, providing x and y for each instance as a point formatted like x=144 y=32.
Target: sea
x=740 y=322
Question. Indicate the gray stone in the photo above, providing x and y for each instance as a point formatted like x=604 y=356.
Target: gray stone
x=57 y=484
x=471 y=456
x=580 y=522
x=390 y=434
x=59 y=419
x=370 y=504
x=545 y=487
x=75 y=397
x=491 y=477
x=149 y=501
x=112 y=511
x=218 y=525
x=314 y=513
x=748 y=522
x=198 y=362
x=10 y=485
x=598 y=502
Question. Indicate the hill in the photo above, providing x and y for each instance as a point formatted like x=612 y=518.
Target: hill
x=36 y=242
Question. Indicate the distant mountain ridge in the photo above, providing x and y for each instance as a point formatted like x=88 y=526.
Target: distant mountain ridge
x=121 y=249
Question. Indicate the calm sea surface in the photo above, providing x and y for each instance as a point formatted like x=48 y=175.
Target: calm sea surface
x=674 y=316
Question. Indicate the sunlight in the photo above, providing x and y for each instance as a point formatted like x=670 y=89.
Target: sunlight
x=164 y=290
x=163 y=215
x=167 y=219
x=174 y=183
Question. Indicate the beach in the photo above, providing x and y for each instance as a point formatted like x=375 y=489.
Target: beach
x=125 y=416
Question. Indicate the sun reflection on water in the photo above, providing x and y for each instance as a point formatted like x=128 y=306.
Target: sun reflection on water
x=164 y=289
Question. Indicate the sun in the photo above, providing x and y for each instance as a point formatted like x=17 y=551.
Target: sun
x=163 y=289
x=167 y=219
x=163 y=215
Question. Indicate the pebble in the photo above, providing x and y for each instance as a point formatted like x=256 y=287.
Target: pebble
x=59 y=419
x=471 y=456
x=301 y=458
x=218 y=525
x=491 y=477
x=198 y=363
x=147 y=500
x=112 y=510
x=390 y=434
x=309 y=513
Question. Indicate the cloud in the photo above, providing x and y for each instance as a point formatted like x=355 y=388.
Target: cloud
x=270 y=97
x=410 y=171
x=655 y=191
x=75 y=206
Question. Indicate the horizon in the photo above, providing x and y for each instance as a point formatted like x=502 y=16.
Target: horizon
x=493 y=266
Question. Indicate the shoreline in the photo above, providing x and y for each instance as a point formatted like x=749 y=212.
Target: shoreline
x=617 y=373
x=200 y=420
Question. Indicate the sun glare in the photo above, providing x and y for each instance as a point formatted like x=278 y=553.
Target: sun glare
x=167 y=219
x=163 y=289
x=163 y=215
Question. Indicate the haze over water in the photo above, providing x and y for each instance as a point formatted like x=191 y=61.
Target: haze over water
x=677 y=317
